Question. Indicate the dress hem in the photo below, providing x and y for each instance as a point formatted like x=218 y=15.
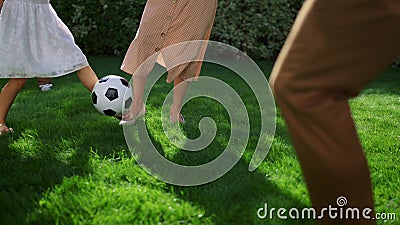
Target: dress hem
x=48 y=75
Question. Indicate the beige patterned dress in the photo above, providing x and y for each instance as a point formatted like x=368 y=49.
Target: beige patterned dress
x=165 y=23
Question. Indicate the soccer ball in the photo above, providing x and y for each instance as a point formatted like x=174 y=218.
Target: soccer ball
x=111 y=94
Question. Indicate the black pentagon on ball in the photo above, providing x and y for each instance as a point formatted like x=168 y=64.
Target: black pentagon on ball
x=111 y=94
x=128 y=103
x=124 y=82
x=104 y=79
x=109 y=112
x=94 y=98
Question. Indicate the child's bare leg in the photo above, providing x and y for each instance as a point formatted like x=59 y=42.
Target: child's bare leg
x=137 y=104
x=88 y=77
x=180 y=87
x=7 y=97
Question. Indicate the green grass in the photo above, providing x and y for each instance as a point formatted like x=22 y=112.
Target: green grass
x=377 y=115
x=67 y=164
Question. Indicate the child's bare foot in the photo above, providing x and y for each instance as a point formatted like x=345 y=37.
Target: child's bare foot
x=176 y=116
x=132 y=115
x=5 y=130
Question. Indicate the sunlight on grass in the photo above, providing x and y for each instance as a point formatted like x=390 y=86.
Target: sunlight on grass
x=116 y=193
x=67 y=164
x=377 y=115
x=28 y=144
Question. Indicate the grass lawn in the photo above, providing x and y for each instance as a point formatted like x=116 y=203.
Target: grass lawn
x=67 y=164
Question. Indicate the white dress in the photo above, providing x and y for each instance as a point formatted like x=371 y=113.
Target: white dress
x=34 y=42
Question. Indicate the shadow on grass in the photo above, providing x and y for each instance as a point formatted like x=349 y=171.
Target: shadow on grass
x=55 y=134
x=29 y=167
x=234 y=198
x=50 y=145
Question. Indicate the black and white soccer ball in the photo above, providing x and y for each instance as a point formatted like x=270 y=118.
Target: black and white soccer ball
x=111 y=94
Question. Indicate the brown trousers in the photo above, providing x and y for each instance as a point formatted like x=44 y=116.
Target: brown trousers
x=334 y=50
